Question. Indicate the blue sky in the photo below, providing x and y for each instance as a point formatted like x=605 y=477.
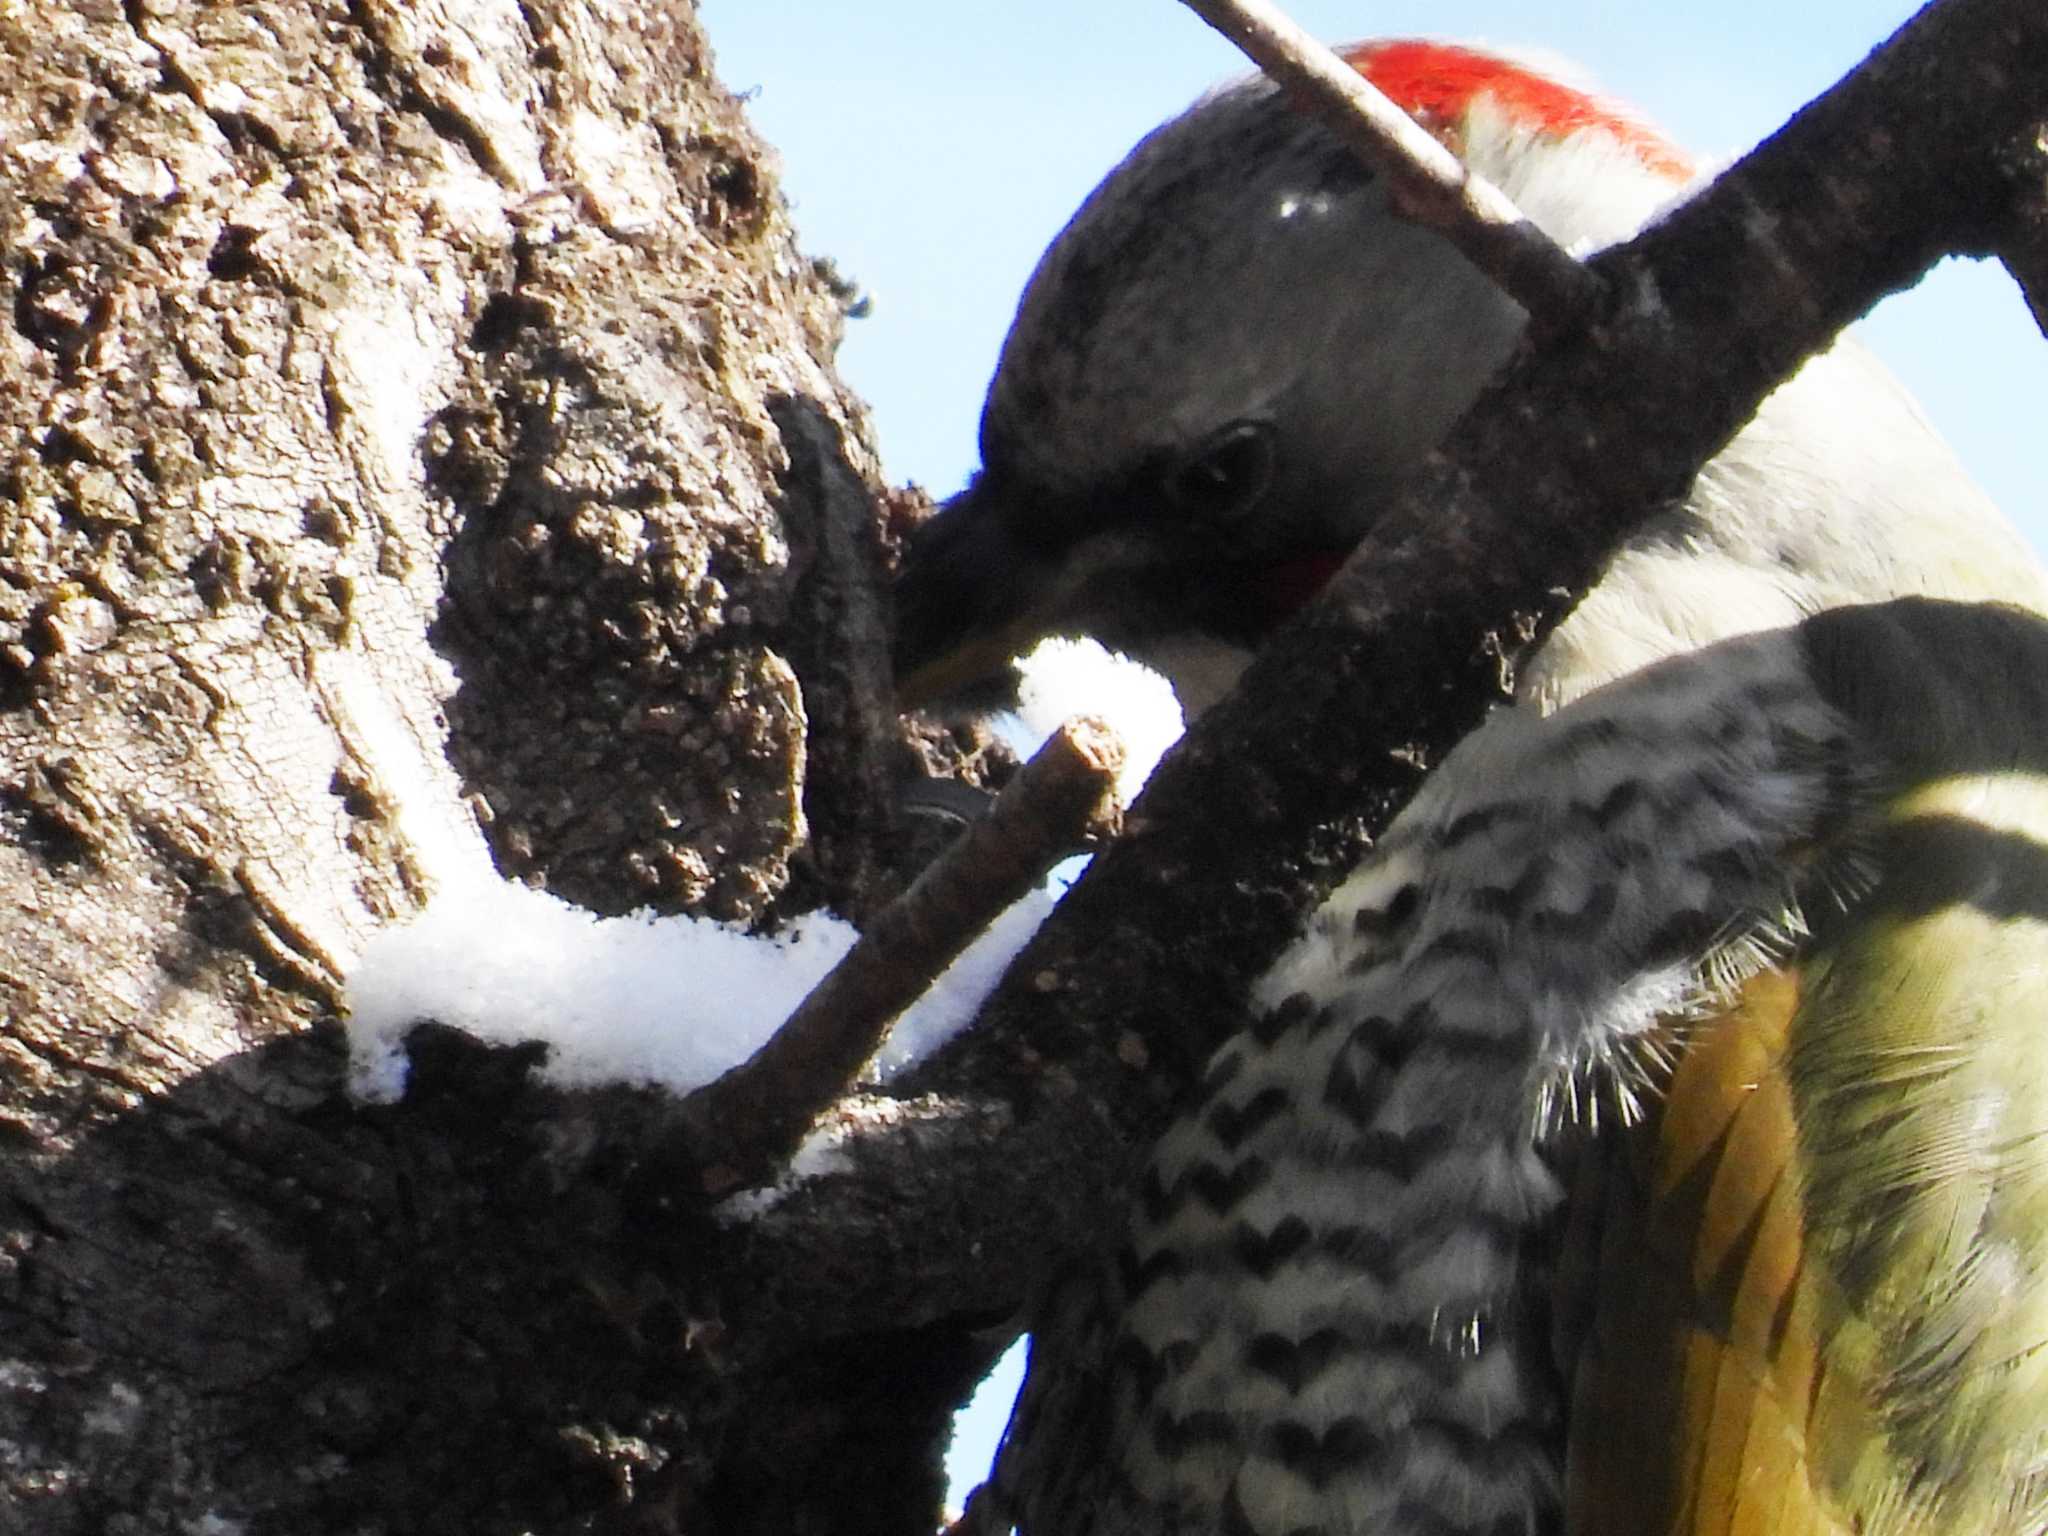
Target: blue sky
x=932 y=147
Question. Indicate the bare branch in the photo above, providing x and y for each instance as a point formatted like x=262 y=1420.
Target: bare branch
x=753 y=1117
x=1426 y=180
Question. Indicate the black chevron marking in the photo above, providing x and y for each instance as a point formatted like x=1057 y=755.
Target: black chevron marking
x=1592 y=734
x=1222 y=1188
x=1218 y=1187
x=1144 y=1371
x=1360 y=1248
x=1356 y=1246
x=1418 y=1351
x=1682 y=935
x=1458 y=944
x=1323 y=1018
x=1369 y=1067
x=1419 y=1018
x=1509 y=1458
x=1139 y=1277
x=1379 y=922
x=1264 y=1252
x=1231 y=1123
x=1390 y=1042
x=1361 y=965
x=1348 y=1449
x=1482 y=819
x=1385 y=1257
x=1270 y=1026
x=1355 y=1089
x=1294 y=1363
x=1509 y=902
x=1401 y=1155
x=1502 y=1448
x=1618 y=802
x=1728 y=866
x=1174 y=1436
x=1318 y=1456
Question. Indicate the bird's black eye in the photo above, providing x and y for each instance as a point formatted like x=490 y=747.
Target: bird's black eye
x=1224 y=478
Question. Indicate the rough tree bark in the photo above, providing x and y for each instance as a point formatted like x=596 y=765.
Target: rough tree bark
x=401 y=401
x=414 y=405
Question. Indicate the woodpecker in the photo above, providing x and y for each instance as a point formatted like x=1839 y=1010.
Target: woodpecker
x=1650 y=1138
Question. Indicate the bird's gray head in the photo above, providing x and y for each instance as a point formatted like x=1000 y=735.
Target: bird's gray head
x=1216 y=374
x=1225 y=363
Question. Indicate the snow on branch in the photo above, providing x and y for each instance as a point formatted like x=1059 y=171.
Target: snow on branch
x=754 y=1116
x=678 y=1000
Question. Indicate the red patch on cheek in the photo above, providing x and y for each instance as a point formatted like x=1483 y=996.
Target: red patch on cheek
x=1285 y=589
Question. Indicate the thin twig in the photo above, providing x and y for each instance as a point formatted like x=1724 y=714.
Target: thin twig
x=1426 y=181
x=752 y=1118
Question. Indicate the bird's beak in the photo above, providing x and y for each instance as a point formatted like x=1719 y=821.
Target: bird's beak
x=965 y=601
x=979 y=658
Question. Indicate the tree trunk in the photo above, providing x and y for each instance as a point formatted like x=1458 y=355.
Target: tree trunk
x=414 y=411
x=421 y=418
